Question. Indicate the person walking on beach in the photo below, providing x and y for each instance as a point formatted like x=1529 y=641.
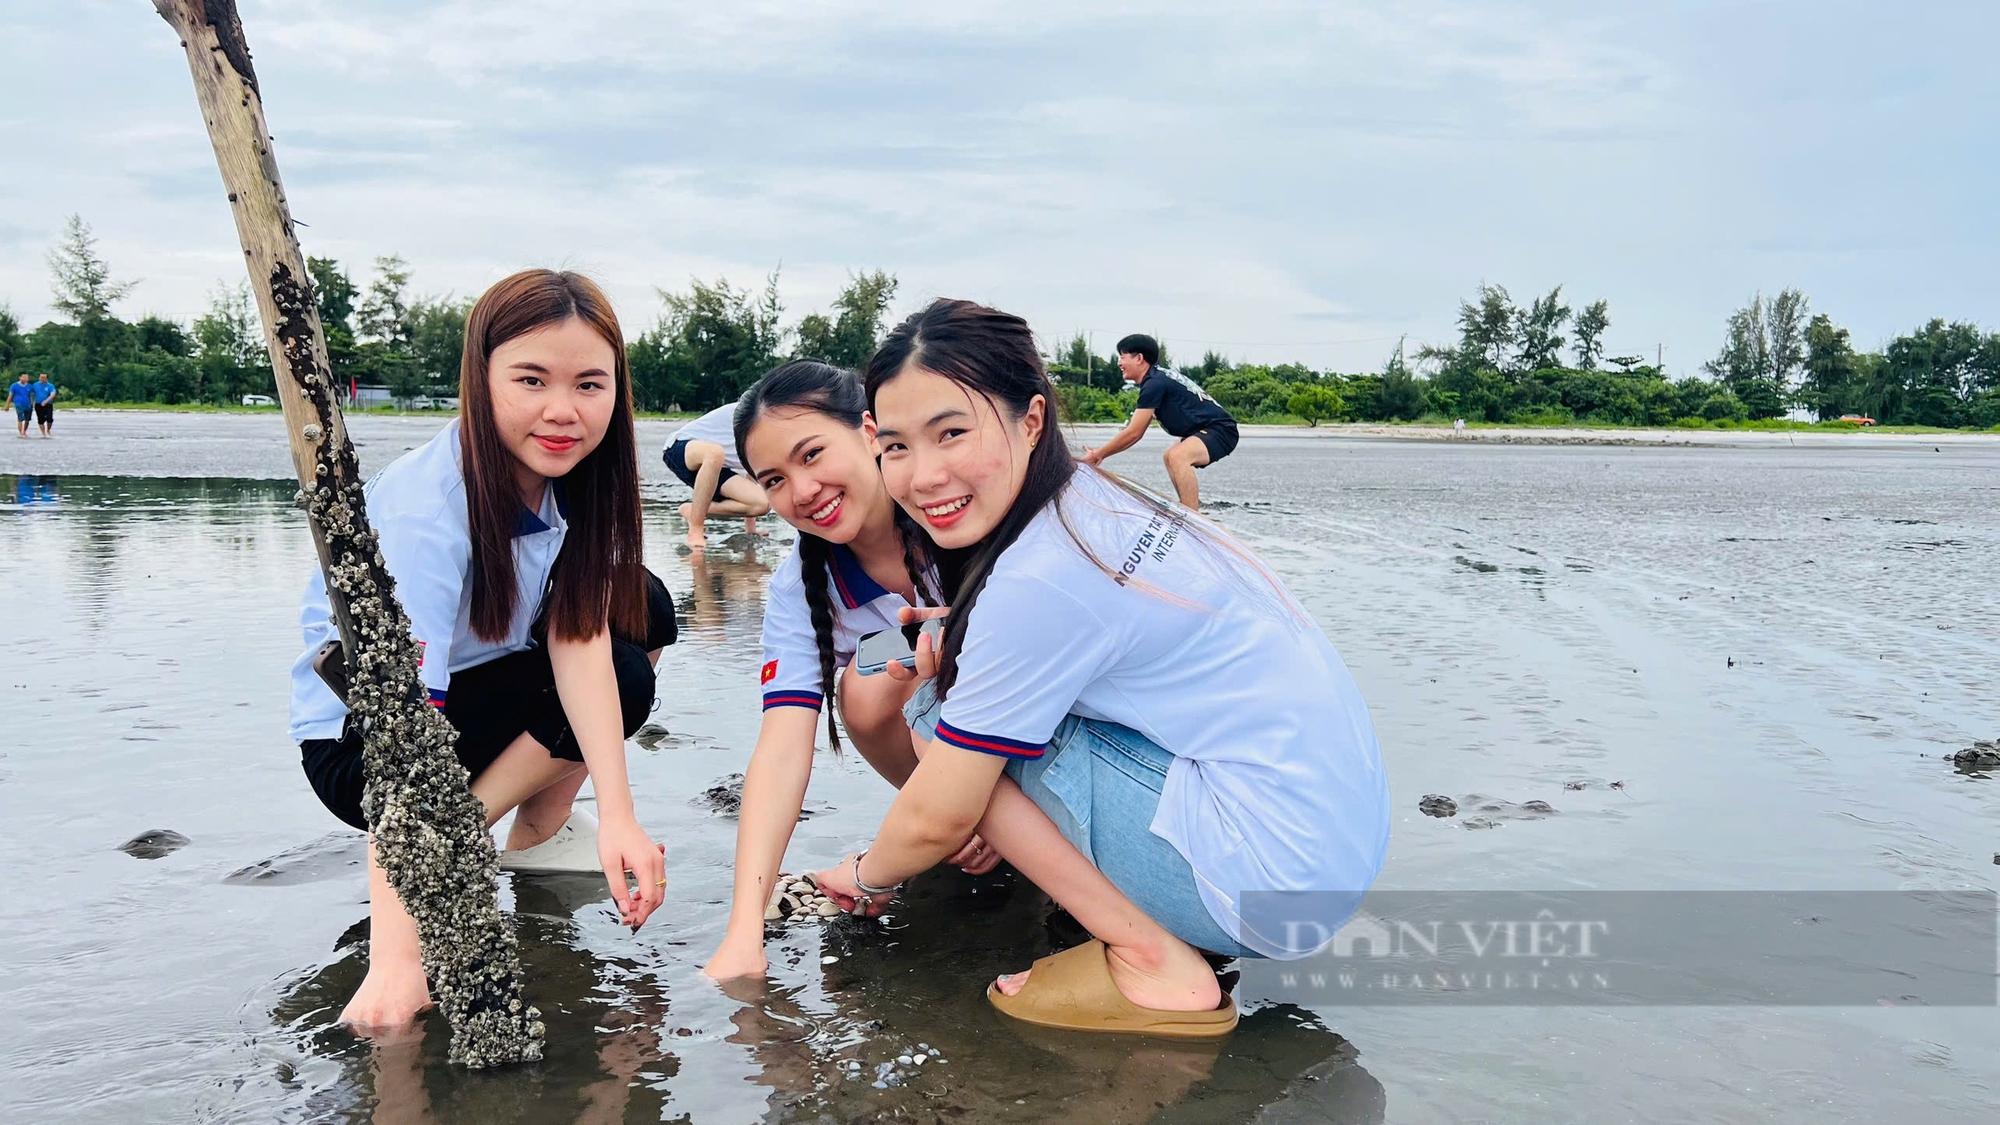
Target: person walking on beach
x=1127 y=704
x=702 y=454
x=45 y=405
x=805 y=432
x=514 y=537
x=22 y=396
x=1205 y=433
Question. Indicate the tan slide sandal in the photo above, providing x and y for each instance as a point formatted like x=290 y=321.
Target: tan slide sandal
x=1073 y=990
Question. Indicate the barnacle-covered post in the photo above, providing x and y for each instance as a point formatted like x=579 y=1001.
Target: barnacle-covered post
x=430 y=831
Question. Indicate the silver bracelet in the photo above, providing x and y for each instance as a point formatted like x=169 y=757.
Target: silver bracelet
x=855 y=871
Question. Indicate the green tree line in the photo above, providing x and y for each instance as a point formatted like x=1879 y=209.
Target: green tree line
x=379 y=336
x=1542 y=362
x=706 y=345
x=712 y=341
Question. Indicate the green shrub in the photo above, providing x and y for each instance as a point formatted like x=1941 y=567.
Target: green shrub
x=1543 y=416
x=1078 y=403
x=1315 y=404
x=1724 y=406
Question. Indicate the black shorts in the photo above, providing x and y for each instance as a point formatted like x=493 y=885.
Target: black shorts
x=677 y=461
x=1220 y=438
x=494 y=703
x=45 y=413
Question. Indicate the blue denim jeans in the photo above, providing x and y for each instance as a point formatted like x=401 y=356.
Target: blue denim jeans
x=1100 y=783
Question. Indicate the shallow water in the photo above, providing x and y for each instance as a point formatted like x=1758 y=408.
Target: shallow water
x=1769 y=647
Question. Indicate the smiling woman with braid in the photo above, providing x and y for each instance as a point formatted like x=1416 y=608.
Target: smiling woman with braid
x=805 y=434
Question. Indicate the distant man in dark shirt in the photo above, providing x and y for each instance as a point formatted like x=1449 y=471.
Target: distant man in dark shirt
x=45 y=405
x=1205 y=431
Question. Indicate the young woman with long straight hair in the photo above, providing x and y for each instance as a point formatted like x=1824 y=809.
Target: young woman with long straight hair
x=1126 y=703
x=806 y=437
x=514 y=538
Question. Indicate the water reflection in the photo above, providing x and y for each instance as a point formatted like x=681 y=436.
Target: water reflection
x=726 y=583
x=91 y=534
x=888 y=987
x=207 y=499
x=606 y=1060
x=31 y=491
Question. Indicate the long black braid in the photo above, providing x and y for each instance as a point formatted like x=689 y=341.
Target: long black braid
x=835 y=392
x=815 y=559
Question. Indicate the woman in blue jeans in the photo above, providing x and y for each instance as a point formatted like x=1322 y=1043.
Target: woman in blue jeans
x=1126 y=704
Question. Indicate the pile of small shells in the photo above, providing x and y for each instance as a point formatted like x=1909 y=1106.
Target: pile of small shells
x=896 y=1071
x=799 y=896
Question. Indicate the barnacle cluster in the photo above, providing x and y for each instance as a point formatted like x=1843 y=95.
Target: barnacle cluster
x=430 y=831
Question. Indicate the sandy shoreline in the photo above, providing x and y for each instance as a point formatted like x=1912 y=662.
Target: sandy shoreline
x=1551 y=435
x=215 y=444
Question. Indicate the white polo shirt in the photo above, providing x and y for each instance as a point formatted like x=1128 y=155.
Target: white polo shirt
x=861 y=606
x=719 y=427
x=1276 y=783
x=417 y=507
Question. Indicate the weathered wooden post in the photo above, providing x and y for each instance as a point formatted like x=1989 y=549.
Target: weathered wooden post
x=430 y=832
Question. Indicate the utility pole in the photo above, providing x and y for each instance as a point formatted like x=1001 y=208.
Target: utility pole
x=428 y=830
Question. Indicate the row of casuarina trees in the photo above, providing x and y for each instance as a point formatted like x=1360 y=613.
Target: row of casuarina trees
x=1539 y=362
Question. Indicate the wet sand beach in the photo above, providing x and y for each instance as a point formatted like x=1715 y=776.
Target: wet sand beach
x=1735 y=664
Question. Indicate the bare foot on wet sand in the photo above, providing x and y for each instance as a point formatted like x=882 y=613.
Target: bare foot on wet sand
x=1183 y=983
x=387 y=1000
x=696 y=539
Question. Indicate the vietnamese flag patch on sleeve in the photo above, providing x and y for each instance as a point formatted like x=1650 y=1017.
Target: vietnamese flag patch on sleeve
x=770 y=672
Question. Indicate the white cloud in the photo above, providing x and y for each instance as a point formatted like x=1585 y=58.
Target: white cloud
x=1286 y=180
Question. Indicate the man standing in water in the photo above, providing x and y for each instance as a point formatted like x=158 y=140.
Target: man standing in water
x=1205 y=431
x=22 y=397
x=45 y=405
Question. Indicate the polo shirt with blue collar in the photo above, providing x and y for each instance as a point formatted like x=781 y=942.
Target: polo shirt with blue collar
x=861 y=606
x=417 y=508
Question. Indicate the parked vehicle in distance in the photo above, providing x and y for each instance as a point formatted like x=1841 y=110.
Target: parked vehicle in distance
x=1858 y=419
x=259 y=400
x=423 y=402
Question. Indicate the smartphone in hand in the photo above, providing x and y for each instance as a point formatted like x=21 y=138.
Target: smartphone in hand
x=877 y=649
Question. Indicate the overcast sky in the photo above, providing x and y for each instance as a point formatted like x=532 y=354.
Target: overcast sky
x=1276 y=181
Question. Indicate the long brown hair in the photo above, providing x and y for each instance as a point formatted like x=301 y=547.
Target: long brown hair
x=598 y=578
